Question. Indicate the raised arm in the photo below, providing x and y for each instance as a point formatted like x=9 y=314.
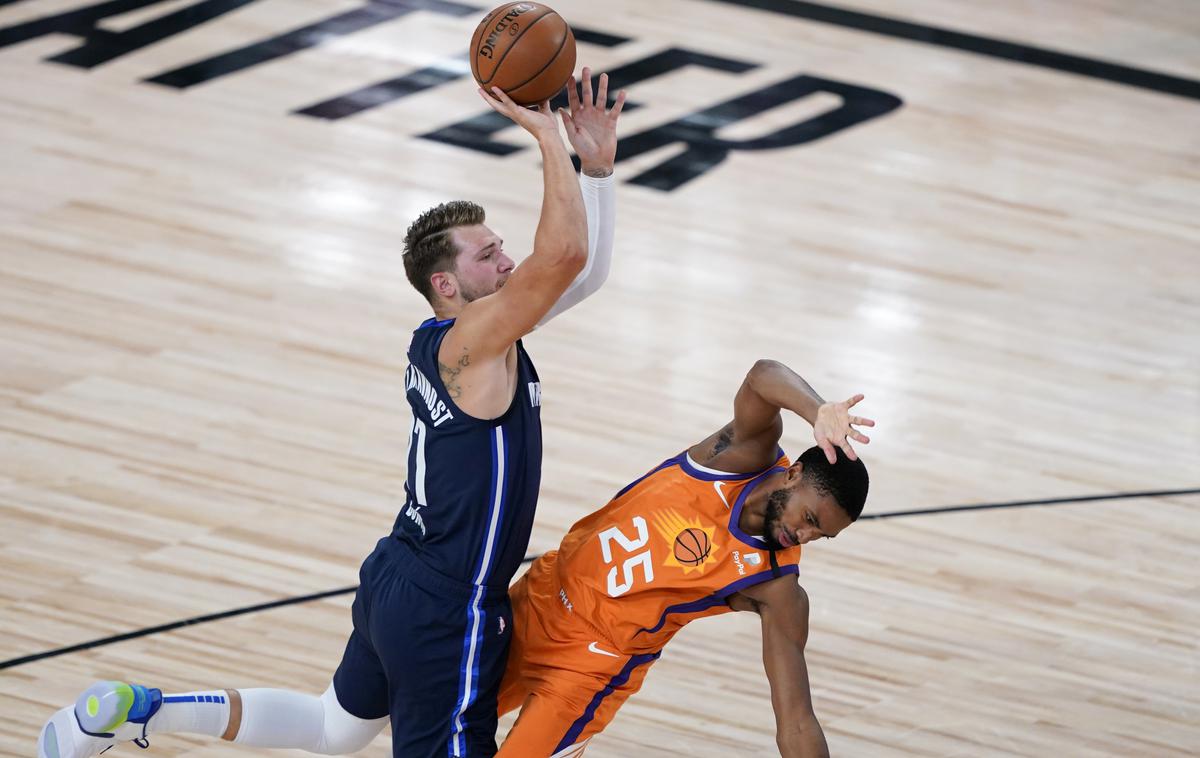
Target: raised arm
x=750 y=442
x=592 y=132
x=489 y=326
x=782 y=605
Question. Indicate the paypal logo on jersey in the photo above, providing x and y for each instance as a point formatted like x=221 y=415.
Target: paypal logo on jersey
x=535 y=394
x=752 y=559
x=415 y=381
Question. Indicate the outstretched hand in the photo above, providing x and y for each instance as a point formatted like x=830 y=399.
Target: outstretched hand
x=834 y=427
x=538 y=122
x=591 y=127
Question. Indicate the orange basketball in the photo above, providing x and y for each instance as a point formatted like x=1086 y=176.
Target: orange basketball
x=692 y=546
x=525 y=49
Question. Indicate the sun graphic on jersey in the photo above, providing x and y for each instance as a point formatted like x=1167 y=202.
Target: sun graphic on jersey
x=692 y=546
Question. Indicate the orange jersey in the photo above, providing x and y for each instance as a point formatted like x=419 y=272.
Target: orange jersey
x=665 y=551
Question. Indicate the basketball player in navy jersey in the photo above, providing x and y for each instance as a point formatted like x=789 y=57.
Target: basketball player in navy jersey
x=432 y=620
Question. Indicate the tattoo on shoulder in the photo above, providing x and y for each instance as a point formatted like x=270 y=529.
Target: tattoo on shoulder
x=450 y=374
x=724 y=439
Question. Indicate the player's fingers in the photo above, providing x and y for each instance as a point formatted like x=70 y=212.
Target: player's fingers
x=859 y=437
x=573 y=94
x=848 y=450
x=544 y=108
x=602 y=92
x=860 y=421
x=827 y=446
x=617 y=106
x=491 y=101
x=503 y=97
x=586 y=97
x=854 y=401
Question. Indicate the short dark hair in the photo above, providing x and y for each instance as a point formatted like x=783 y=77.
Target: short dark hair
x=846 y=481
x=428 y=247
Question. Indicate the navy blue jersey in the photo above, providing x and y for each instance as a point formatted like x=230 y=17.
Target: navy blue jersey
x=472 y=485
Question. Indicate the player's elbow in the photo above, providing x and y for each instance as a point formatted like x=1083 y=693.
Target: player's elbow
x=576 y=254
x=763 y=367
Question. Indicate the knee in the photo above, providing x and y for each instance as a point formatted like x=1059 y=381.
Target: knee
x=345 y=733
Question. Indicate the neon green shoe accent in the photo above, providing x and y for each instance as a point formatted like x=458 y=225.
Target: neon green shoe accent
x=124 y=697
x=93 y=705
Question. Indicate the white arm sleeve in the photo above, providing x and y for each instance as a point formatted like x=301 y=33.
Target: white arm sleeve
x=599 y=198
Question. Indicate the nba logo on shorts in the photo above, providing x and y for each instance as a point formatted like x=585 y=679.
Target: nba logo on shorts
x=535 y=394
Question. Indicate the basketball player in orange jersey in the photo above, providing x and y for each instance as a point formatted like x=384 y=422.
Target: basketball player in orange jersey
x=714 y=529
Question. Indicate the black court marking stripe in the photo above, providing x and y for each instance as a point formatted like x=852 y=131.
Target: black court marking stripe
x=176 y=625
x=529 y=559
x=973 y=43
x=188 y=622
x=1030 y=503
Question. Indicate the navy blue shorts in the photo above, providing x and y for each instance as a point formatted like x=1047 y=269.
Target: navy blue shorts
x=427 y=651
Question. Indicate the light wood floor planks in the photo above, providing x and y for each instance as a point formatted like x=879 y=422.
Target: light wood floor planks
x=203 y=318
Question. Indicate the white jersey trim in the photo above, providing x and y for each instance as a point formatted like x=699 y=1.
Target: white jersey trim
x=574 y=751
x=707 y=470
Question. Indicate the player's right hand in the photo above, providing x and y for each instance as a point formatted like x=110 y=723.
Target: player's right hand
x=539 y=122
x=835 y=427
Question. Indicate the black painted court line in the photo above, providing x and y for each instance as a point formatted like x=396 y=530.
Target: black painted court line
x=175 y=625
x=529 y=559
x=1028 y=503
x=972 y=43
x=188 y=622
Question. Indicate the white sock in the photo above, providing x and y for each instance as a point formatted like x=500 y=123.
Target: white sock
x=192 y=712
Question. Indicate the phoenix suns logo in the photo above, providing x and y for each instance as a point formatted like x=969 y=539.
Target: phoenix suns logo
x=692 y=544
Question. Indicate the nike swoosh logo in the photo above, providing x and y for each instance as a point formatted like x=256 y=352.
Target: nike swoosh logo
x=596 y=649
x=717 y=487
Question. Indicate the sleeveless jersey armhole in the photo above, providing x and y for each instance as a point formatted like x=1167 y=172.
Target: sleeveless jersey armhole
x=435 y=346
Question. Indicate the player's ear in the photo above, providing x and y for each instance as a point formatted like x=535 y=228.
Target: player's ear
x=794 y=472
x=444 y=284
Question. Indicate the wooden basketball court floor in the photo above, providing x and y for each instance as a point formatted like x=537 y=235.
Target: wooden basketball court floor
x=203 y=318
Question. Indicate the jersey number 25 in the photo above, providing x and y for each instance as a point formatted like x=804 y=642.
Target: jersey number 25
x=607 y=537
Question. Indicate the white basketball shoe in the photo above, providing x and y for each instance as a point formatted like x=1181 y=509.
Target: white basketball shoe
x=105 y=714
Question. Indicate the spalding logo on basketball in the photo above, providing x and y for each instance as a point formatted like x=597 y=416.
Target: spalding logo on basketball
x=525 y=49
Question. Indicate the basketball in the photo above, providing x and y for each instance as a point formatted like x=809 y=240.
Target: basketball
x=692 y=546
x=525 y=49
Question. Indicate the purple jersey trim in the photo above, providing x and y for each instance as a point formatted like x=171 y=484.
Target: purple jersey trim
x=719 y=597
x=736 y=512
x=589 y=713
x=665 y=464
x=681 y=460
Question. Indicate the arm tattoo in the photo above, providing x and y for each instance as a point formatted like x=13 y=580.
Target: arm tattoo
x=450 y=374
x=598 y=173
x=724 y=439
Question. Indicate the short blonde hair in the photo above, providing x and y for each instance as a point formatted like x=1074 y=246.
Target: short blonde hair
x=428 y=247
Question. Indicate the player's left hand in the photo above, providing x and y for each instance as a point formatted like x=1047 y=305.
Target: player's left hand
x=835 y=427
x=591 y=127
